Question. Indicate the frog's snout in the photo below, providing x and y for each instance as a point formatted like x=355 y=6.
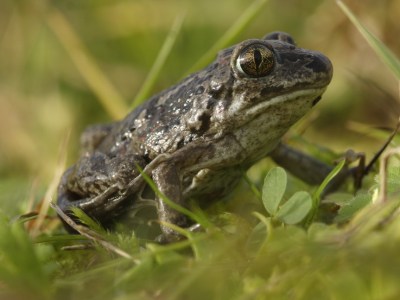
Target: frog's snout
x=322 y=66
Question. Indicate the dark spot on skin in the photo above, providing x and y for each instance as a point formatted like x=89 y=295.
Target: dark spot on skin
x=215 y=90
x=180 y=144
x=146 y=158
x=199 y=90
x=205 y=122
x=97 y=187
x=316 y=100
x=210 y=103
x=73 y=196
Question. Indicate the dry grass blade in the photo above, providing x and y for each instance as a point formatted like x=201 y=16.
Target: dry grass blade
x=384 y=53
x=51 y=190
x=383 y=148
x=383 y=173
x=108 y=96
x=90 y=234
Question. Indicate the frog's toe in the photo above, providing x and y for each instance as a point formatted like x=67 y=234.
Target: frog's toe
x=196 y=228
x=171 y=236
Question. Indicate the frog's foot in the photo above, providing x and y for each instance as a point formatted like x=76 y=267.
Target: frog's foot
x=170 y=236
x=196 y=228
x=93 y=207
x=101 y=207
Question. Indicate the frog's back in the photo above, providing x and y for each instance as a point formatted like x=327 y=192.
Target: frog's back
x=166 y=121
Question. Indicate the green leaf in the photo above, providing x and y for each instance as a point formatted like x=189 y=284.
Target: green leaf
x=273 y=189
x=346 y=212
x=256 y=238
x=296 y=208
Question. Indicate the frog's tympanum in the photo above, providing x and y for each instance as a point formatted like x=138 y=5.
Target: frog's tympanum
x=197 y=138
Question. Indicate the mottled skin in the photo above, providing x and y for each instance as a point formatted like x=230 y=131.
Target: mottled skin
x=197 y=138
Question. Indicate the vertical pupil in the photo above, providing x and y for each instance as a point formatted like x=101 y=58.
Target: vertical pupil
x=257 y=58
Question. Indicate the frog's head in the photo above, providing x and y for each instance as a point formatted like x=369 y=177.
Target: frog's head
x=275 y=66
x=272 y=70
x=270 y=81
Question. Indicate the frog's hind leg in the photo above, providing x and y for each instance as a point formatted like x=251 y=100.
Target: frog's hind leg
x=166 y=177
x=314 y=171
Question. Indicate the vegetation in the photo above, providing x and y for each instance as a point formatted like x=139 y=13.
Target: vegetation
x=66 y=65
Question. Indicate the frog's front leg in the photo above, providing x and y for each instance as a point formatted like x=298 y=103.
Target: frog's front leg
x=96 y=184
x=168 y=174
x=167 y=178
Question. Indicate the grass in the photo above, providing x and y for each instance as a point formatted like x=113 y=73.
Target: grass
x=249 y=250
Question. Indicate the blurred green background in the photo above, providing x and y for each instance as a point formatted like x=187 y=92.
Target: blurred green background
x=59 y=60
x=46 y=95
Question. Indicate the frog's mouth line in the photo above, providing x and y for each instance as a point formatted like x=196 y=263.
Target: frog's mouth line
x=312 y=95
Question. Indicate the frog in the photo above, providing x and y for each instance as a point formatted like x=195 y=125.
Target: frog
x=196 y=139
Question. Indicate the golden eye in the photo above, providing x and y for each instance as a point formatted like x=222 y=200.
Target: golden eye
x=255 y=60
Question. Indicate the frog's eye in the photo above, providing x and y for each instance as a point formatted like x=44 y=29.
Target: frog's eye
x=255 y=60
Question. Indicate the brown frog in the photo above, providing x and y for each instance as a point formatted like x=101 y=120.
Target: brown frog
x=196 y=138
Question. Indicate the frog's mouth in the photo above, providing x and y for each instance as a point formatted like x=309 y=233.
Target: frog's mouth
x=303 y=100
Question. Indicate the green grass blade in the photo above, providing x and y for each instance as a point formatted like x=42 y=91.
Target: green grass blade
x=383 y=52
x=152 y=77
x=317 y=195
x=328 y=178
x=88 y=221
x=252 y=186
x=21 y=266
x=295 y=209
x=243 y=21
